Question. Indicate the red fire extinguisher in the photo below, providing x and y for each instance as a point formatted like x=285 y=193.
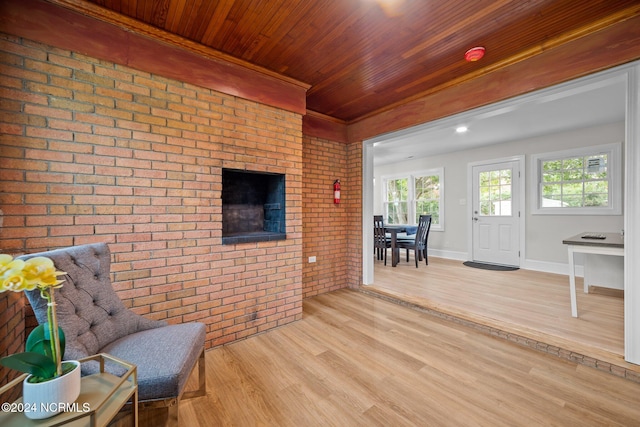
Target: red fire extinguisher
x=336 y=192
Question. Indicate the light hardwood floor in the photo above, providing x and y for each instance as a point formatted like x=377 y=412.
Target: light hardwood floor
x=358 y=360
x=526 y=302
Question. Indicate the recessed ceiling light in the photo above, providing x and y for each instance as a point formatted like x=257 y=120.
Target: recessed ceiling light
x=461 y=129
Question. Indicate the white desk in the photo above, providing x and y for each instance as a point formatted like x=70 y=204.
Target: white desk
x=613 y=244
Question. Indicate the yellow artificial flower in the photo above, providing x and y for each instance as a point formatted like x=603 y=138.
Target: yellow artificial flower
x=41 y=272
x=18 y=275
x=14 y=281
x=6 y=262
x=11 y=277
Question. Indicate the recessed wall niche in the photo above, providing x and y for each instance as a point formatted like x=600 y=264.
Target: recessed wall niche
x=253 y=206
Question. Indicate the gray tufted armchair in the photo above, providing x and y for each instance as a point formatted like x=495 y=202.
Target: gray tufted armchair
x=95 y=320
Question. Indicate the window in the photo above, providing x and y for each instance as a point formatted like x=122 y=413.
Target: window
x=409 y=196
x=495 y=193
x=584 y=181
x=427 y=197
x=397 y=205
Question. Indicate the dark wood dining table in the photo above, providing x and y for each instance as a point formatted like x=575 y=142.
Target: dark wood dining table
x=393 y=230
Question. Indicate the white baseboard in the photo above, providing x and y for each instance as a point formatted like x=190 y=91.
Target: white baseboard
x=551 y=267
x=529 y=264
x=439 y=253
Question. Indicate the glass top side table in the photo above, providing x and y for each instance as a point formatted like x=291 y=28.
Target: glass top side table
x=102 y=396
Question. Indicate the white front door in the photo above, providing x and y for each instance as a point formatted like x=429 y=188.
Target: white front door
x=496 y=215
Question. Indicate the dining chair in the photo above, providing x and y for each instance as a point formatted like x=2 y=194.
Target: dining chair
x=419 y=242
x=380 y=241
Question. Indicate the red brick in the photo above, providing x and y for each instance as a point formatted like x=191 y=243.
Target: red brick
x=124 y=76
x=47 y=68
x=46 y=243
x=115 y=113
x=112 y=131
x=70 y=126
x=67 y=104
x=71 y=85
x=135 y=89
x=68 y=62
x=72 y=230
x=93 y=200
x=95 y=139
x=92 y=78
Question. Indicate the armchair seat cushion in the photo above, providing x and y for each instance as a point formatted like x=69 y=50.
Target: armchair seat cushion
x=164 y=357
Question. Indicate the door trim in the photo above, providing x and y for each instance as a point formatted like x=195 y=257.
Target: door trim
x=367 y=212
x=521 y=205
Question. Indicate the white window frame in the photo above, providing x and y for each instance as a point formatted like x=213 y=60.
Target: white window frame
x=385 y=201
x=411 y=202
x=614 y=156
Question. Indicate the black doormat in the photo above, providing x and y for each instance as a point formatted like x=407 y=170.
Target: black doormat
x=493 y=267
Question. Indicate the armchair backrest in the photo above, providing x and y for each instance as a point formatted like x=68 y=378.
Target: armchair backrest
x=89 y=311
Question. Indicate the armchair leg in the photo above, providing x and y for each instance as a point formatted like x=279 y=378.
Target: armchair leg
x=202 y=380
x=164 y=412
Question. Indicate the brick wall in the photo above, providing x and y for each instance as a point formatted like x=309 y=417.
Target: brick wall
x=93 y=151
x=325 y=224
x=12 y=333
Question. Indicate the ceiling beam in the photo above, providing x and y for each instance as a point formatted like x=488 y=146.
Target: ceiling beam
x=88 y=29
x=325 y=127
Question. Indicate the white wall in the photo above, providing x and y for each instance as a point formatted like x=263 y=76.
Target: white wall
x=544 y=233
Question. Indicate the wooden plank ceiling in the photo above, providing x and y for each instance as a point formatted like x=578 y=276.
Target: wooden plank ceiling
x=362 y=56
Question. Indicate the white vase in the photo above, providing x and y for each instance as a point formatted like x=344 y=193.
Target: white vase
x=46 y=399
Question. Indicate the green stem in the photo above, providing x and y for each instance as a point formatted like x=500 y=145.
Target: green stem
x=52 y=319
